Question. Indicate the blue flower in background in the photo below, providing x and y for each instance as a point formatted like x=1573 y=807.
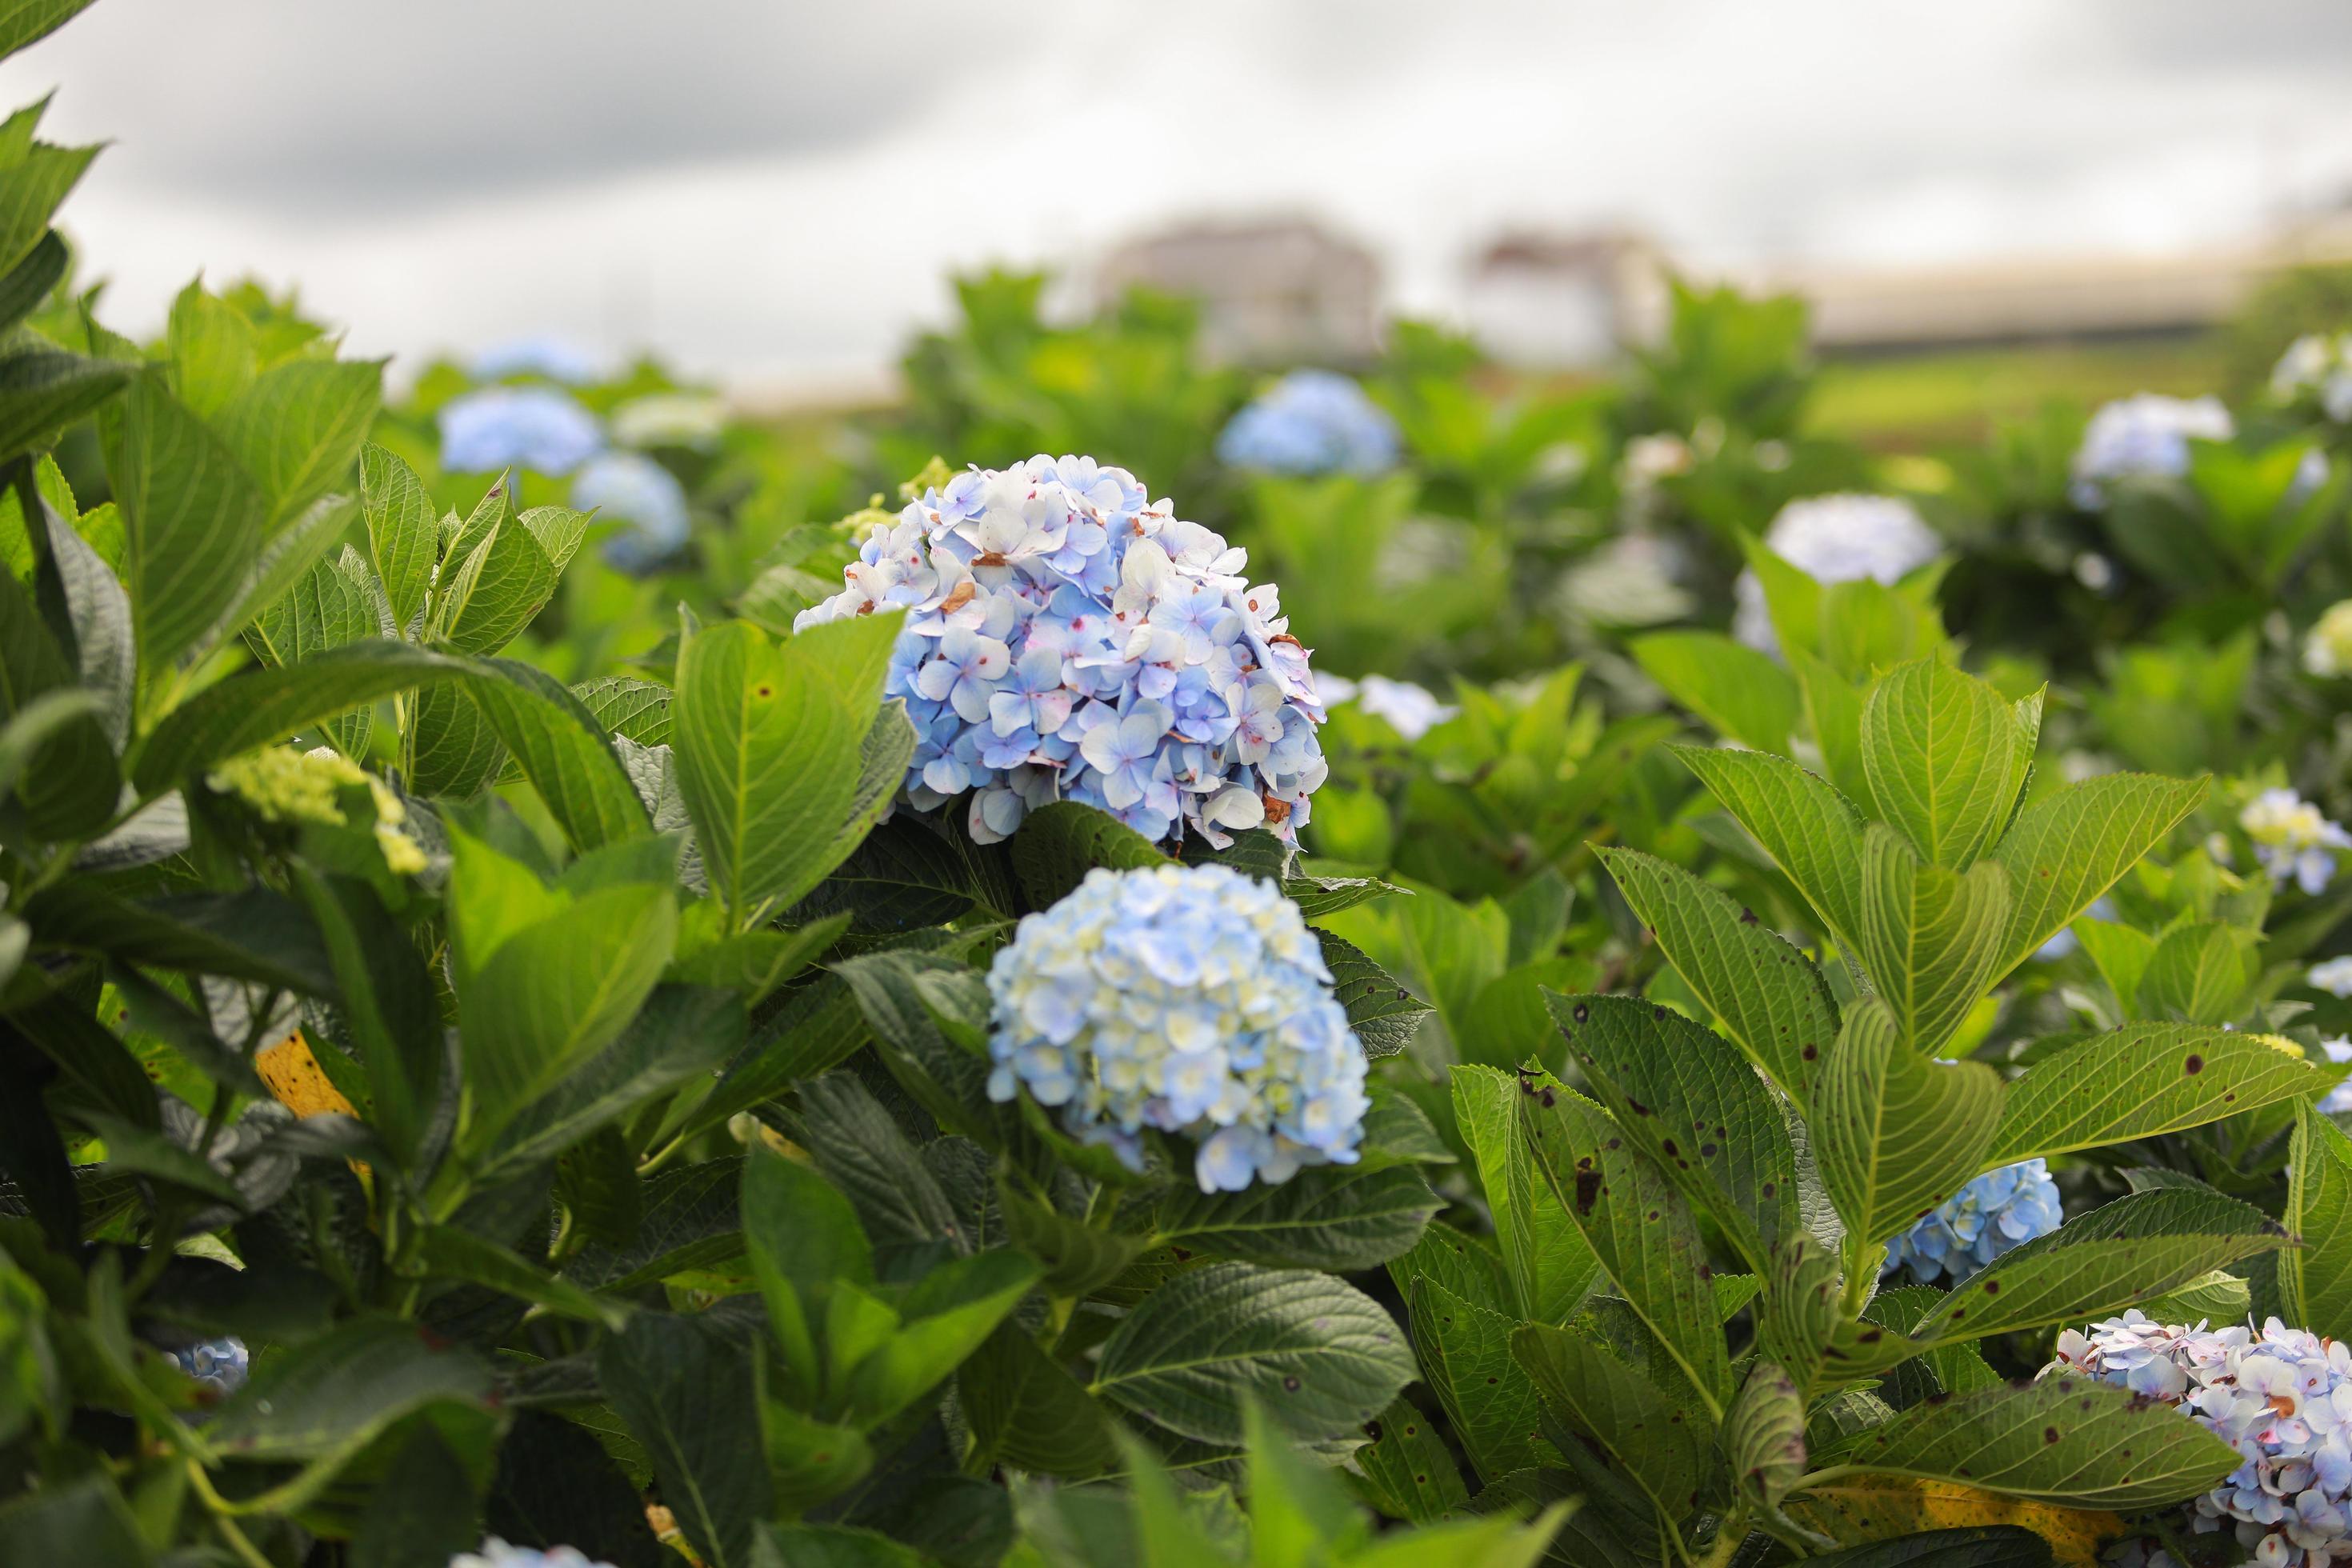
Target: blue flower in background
x=1984 y=1219
x=641 y=492
x=1065 y=640
x=2143 y=437
x=218 y=1365
x=497 y=1554
x=534 y=428
x=1311 y=421
x=537 y=353
x=1192 y=999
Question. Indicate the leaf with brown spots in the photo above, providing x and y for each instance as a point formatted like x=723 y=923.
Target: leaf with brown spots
x=2139 y=1082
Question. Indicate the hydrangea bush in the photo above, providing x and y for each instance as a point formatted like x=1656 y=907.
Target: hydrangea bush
x=2143 y=436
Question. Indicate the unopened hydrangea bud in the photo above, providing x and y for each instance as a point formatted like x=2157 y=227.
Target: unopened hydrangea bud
x=1189 y=1000
x=2327 y=646
x=1311 y=421
x=495 y=1553
x=2292 y=839
x=1999 y=1210
x=1835 y=539
x=2145 y=436
x=533 y=427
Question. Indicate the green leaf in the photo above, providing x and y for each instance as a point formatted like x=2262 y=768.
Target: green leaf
x=803 y=1238
x=2054 y=1440
x=1465 y=1358
x=501 y=584
x=297 y=427
x=681 y=1034
x=404 y=536
x=213 y=356
x=945 y=1318
x=1058 y=843
x=809 y=1461
x=756 y=963
x=1637 y=1225
x=1077 y=1258
x=1027 y=1410
x=97 y=612
x=388 y=1004
x=1406 y=1471
x=2142 y=1082
x=1764 y=1435
x=450 y=1253
x=2070 y=846
x=1337 y=1217
x=326 y=1398
x=2315 y=1279
x=257 y=934
x=34 y=175
x=1811 y=832
x=1383 y=1015
x=1930 y=936
x=23 y=22
x=1657 y=1444
x=1321 y=1355
x=626 y=706
x=1772 y=999
x=688 y=1395
x=556 y=1485
x=63 y=769
x=43 y=388
x=193 y=522
x=863 y=1153
x=423 y=1511
x=1833 y=711
x=286 y=556
x=2120 y=953
x=1979 y=1546
x=1692 y=1103
x=1896 y=1133
x=1550 y=1266
x=1743 y=693
x=84 y=1519
x=1945 y=757
x=329 y=606
x=2199 y=973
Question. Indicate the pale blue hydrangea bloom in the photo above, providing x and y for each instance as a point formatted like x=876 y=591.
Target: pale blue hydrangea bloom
x=2317 y=370
x=1066 y=639
x=2145 y=436
x=497 y=1554
x=2338 y=1050
x=2292 y=839
x=219 y=1364
x=636 y=489
x=1840 y=538
x=2333 y=976
x=1997 y=1211
x=534 y=428
x=1311 y=421
x=1411 y=711
x=2283 y=1399
x=537 y=353
x=1189 y=1000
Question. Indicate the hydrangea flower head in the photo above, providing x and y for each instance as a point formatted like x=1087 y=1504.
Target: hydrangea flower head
x=2146 y=436
x=2291 y=839
x=537 y=353
x=1999 y=1210
x=670 y=419
x=1068 y=639
x=219 y=1365
x=1837 y=538
x=497 y=1554
x=2316 y=370
x=2327 y=646
x=2332 y=975
x=1189 y=1000
x=2282 y=1398
x=637 y=490
x=1411 y=711
x=1311 y=421
x=534 y=428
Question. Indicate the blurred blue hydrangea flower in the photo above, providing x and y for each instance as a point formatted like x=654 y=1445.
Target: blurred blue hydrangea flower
x=537 y=353
x=534 y=428
x=1192 y=999
x=219 y=1364
x=1411 y=711
x=497 y=1554
x=2143 y=437
x=1067 y=641
x=639 y=491
x=1984 y=1219
x=1838 y=538
x=1311 y=421
x=2292 y=839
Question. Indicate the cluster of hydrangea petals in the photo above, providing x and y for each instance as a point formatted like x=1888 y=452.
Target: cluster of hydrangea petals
x=630 y=488
x=220 y=1365
x=1311 y=421
x=501 y=428
x=2292 y=839
x=1840 y=538
x=1189 y=1000
x=1999 y=1210
x=2146 y=436
x=2283 y=1399
x=497 y=1554
x=1411 y=711
x=1067 y=640
x=2327 y=646
x=2316 y=370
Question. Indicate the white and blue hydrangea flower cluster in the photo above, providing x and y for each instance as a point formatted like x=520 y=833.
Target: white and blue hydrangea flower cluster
x=2143 y=436
x=1999 y=1210
x=2282 y=1398
x=1311 y=421
x=1068 y=639
x=2316 y=370
x=1188 y=1000
x=2293 y=840
x=220 y=1365
x=1840 y=538
x=495 y=1553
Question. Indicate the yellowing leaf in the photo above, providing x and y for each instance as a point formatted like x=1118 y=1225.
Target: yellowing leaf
x=294 y=1076
x=1862 y=1509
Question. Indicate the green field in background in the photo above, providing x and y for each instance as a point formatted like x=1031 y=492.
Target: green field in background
x=1946 y=397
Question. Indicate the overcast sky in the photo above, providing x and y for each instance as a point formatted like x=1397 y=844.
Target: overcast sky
x=766 y=190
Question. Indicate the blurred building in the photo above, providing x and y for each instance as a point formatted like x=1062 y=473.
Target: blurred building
x=1271 y=291
x=1566 y=301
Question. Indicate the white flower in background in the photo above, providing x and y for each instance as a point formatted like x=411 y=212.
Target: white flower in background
x=2291 y=839
x=2143 y=437
x=2334 y=977
x=1189 y=999
x=2316 y=370
x=1411 y=711
x=2327 y=646
x=1837 y=538
x=1649 y=458
x=2283 y=1401
x=1631 y=581
x=2339 y=1099
x=670 y=419
x=537 y=353
x=497 y=1554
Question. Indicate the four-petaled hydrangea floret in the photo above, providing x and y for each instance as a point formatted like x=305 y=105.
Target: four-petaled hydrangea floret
x=534 y=428
x=2291 y=839
x=1999 y=1210
x=1067 y=640
x=220 y=1365
x=2143 y=436
x=2316 y=370
x=1835 y=539
x=1311 y=421
x=1188 y=1000
x=495 y=1553
x=2327 y=646
x=2282 y=1400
